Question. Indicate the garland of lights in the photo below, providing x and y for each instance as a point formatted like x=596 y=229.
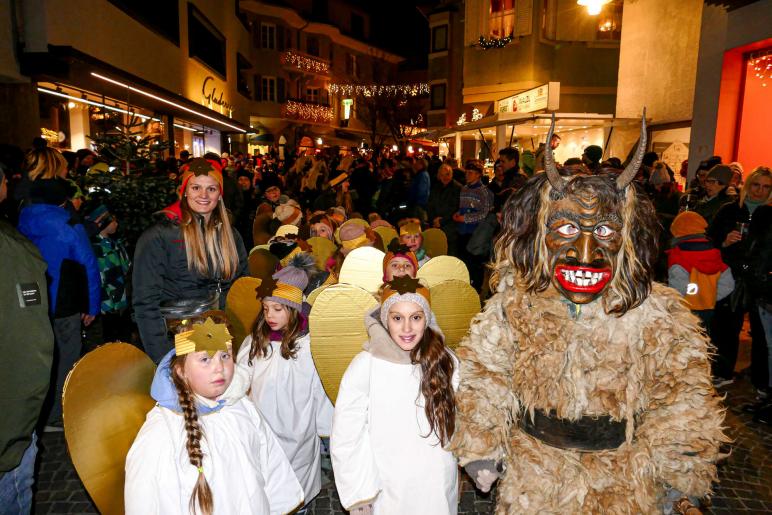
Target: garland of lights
x=488 y=43
x=762 y=66
x=305 y=63
x=311 y=112
x=369 y=90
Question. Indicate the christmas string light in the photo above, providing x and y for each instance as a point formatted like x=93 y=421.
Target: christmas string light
x=305 y=63
x=488 y=43
x=310 y=112
x=392 y=90
x=762 y=66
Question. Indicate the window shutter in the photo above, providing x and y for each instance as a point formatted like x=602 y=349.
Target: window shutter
x=258 y=87
x=523 y=17
x=280 y=90
x=280 y=38
x=256 y=35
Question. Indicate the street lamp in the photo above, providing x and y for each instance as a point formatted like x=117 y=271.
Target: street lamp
x=594 y=7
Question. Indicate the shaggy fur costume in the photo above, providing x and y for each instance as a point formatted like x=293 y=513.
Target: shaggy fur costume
x=648 y=368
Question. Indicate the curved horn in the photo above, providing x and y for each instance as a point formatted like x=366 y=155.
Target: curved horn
x=549 y=161
x=631 y=170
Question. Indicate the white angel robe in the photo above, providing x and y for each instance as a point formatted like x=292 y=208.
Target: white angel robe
x=290 y=397
x=378 y=445
x=244 y=465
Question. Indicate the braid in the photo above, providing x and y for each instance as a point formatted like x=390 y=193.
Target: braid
x=202 y=494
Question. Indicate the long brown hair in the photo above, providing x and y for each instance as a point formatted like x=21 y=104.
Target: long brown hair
x=261 y=336
x=209 y=246
x=202 y=494
x=436 y=384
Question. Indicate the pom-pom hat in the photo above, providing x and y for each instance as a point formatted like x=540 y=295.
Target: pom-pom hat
x=290 y=283
x=688 y=223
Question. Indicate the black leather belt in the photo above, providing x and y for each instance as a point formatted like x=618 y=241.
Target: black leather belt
x=585 y=434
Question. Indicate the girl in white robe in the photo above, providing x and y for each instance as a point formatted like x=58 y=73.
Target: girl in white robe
x=285 y=386
x=395 y=411
x=204 y=448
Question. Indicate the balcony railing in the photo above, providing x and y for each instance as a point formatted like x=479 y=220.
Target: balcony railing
x=304 y=62
x=307 y=111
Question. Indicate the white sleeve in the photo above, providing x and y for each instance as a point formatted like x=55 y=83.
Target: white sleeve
x=281 y=484
x=324 y=409
x=243 y=356
x=353 y=463
x=148 y=455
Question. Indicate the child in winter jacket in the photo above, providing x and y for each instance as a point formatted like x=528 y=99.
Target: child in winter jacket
x=285 y=386
x=395 y=412
x=204 y=448
x=695 y=267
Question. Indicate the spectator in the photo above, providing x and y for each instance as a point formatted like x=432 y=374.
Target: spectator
x=270 y=200
x=74 y=289
x=27 y=346
x=418 y=194
x=592 y=157
x=539 y=157
x=513 y=178
x=443 y=203
x=476 y=201
x=729 y=232
x=189 y=258
x=716 y=184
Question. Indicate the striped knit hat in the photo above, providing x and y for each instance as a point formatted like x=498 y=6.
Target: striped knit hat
x=290 y=283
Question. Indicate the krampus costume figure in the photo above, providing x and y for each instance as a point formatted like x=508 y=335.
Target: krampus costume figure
x=585 y=386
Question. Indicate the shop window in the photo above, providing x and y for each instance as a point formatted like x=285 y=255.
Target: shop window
x=268 y=36
x=163 y=18
x=242 y=77
x=351 y=65
x=440 y=38
x=438 y=96
x=357 y=26
x=312 y=46
x=501 y=22
x=312 y=95
x=347 y=108
x=268 y=89
x=205 y=42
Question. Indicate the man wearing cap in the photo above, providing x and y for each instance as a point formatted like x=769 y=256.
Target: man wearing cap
x=715 y=185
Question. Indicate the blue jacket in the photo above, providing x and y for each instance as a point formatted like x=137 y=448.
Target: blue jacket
x=49 y=228
x=418 y=195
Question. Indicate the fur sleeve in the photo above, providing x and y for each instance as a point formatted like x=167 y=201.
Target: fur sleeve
x=484 y=401
x=681 y=427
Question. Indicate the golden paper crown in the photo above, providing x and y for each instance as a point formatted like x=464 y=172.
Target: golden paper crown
x=209 y=337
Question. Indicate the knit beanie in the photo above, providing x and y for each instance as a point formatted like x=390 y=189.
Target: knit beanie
x=688 y=223
x=200 y=166
x=396 y=250
x=721 y=173
x=288 y=214
x=290 y=283
x=352 y=236
x=380 y=223
x=406 y=289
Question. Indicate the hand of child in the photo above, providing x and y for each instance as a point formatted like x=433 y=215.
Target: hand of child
x=367 y=509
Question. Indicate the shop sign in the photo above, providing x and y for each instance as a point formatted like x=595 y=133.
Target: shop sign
x=210 y=95
x=544 y=97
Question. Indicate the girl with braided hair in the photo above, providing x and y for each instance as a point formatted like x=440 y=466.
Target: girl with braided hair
x=285 y=386
x=204 y=448
x=395 y=412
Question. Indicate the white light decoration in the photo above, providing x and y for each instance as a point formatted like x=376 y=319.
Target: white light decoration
x=369 y=90
x=476 y=114
x=594 y=7
x=304 y=63
x=461 y=119
x=410 y=149
x=311 y=112
x=394 y=148
x=319 y=141
x=761 y=64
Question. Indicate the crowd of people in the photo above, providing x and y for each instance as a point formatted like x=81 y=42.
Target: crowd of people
x=255 y=426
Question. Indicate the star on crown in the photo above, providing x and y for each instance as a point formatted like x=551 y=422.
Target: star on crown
x=405 y=284
x=211 y=337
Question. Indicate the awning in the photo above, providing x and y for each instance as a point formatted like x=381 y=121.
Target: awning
x=264 y=138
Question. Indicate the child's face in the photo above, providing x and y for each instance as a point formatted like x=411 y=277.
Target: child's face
x=276 y=315
x=398 y=267
x=413 y=241
x=407 y=323
x=208 y=376
x=321 y=230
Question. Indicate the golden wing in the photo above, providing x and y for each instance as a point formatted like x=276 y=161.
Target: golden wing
x=363 y=267
x=443 y=268
x=242 y=308
x=387 y=234
x=338 y=331
x=322 y=249
x=106 y=398
x=454 y=304
x=435 y=242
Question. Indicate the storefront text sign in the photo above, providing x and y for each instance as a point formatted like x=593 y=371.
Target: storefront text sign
x=210 y=95
x=544 y=97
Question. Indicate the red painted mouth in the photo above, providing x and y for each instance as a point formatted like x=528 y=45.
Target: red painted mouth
x=582 y=279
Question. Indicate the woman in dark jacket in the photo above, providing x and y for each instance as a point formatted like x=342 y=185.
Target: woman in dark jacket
x=729 y=232
x=191 y=257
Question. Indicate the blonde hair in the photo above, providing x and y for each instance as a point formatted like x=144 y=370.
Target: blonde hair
x=209 y=245
x=45 y=163
x=759 y=171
